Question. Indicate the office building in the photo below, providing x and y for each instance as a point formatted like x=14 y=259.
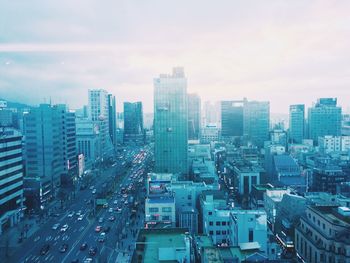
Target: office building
x=43 y=150
x=98 y=112
x=231 y=118
x=296 y=123
x=112 y=120
x=171 y=122
x=11 y=178
x=256 y=122
x=194 y=117
x=133 y=122
x=330 y=144
x=323 y=235
x=327 y=178
x=324 y=118
x=210 y=133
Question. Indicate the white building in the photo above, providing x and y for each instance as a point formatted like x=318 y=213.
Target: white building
x=248 y=227
x=247 y=177
x=329 y=144
x=272 y=198
x=210 y=133
x=160 y=209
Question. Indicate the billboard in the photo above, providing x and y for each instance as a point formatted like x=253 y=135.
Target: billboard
x=81 y=164
x=158 y=187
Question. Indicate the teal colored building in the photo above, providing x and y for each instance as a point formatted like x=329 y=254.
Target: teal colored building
x=171 y=122
x=324 y=118
x=296 y=123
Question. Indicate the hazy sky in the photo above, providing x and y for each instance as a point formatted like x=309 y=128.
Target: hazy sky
x=284 y=51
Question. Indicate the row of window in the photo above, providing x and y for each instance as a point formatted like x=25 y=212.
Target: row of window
x=156 y=209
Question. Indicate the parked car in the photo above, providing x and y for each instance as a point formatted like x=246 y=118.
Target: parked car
x=64 y=248
x=45 y=249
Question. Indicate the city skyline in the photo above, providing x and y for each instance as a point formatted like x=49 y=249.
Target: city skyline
x=272 y=52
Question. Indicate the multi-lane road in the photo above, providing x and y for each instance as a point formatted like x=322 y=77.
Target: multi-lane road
x=119 y=220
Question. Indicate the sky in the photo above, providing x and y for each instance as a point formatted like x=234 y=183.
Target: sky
x=282 y=51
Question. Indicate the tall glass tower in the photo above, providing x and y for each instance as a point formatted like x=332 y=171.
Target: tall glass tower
x=171 y=122
x=296 y=123
x=324 y=118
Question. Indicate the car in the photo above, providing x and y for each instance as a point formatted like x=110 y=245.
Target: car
x=100 y=220
x=102 y=237
x=55 y=226
x=63 y=248
x=78 y=213
x=83 y=246
x=75 y=260
x=93 y=191
x=70 y=214
x=64 y=228
x=45 y=249
x=111 y=218
x=105 y=205
x=80 y=217
x=92 y=187
x=98 y=229
x=92 y=251
x=115 y=202
x=87 y=260
x=110 y=210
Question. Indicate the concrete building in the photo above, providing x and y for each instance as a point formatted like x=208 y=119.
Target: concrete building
x=323 y=235
x=171 y=122
x=160 y=209
x=279 y=137
x=212 y=113
x=324 y=118
x=248 y=227
x=98 y=112
x=194 y=117
x=231 y=119
x=210 y=133
x=11 y=178
x=330 y=144
x=133 y=123
x=256 y=122
x=163 y=245
x=296 y=123
x=88 y=141
x=326 y=178
x=248 y=175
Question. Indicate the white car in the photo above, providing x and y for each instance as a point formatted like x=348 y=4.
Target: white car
x=80 y=217
x=94 y=191
x=64 y=228
x=110 y=210
x=115 y=202
x=55 y=226
x=70 y=214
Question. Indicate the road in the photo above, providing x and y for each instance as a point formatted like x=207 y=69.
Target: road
x=132 y=167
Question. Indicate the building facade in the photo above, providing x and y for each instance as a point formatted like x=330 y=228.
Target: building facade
x=232 y=118
x=194 y=117
x=133 y=122
x=171 y=122
x=296 y=123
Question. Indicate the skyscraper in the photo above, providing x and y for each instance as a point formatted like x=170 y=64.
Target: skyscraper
x=171 y=122
x=256 y=121
x=43 y=150
x=296 y=123
x=324 y=118
x=112 y=119
x=98 y=112
x=231 y=118
x=194 y=116
x=133 y=122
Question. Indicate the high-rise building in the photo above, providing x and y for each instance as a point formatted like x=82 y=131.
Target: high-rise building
x=43 y=150
x=98 y=112
x=194 y=116
x=212 y=113
x=256 y=121
x=296 y=123
x=11 y=177
x=171 y=122
x=112 y=119
x=231 y=118
x=68 y=143
x=324 y=118
x=133 y=122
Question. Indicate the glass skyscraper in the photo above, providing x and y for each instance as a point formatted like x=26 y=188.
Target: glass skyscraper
x=194 y=116
x=171 y=122
x=256 y=121
x=324 y=118
x=231 y=118
x=296 y=123
x=133 y=121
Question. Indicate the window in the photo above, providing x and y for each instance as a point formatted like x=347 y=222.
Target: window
x=251 y=235
x=166 y=218
x=211 y=232
x=153 y=209
x=224 y=232
x=189 y=197
x=210 y=223
x=218 y=232
x=223 y=223
x=218 y=223
x=166 y=209
x=210 y=213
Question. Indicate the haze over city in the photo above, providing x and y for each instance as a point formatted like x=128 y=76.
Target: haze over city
x=285 y=52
